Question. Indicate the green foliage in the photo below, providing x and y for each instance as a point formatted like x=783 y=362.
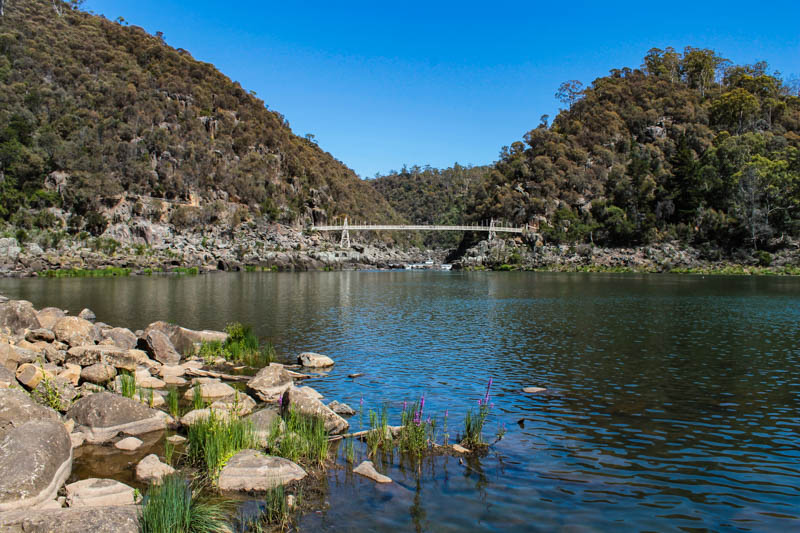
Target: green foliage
x=274 y=514
x=379 y=435
x=169 y=452
x=127 y=384
x=473 y=427
x=177 y=507
x=304 y=440
x=215 y=439
x=173 y=402
x=197 y=397
x=416 y=432
x=242 y=346
x=108 y=272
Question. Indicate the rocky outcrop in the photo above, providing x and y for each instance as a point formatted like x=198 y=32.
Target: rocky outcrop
x=35 y=460
x=17 y=408
x=102 y=416
x=121 y=519
x=251 y=470
x=75 y=331
x=95 y=492
x=16 y=316
x=314 y=360
x=305 y=404
x=270 y=382
x=152 y=470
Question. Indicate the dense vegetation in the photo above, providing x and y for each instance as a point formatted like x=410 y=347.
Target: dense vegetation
x=91 y=108
x=432 y=196
x=686 y=147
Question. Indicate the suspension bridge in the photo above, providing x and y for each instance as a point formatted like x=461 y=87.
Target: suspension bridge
x=492 y=228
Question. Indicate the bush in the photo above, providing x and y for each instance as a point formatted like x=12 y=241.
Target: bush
x=96 y=223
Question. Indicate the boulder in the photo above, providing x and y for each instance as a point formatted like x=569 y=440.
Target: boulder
x=9 y=357
x=104 y=415
x=98 y=373
x=341 y=409
x=305 y=404
x=128 y=444
x=211 y=391
x=91 y=354
x=185 y=340
x=18 y=315
x=171 y=370
x=55 y=392
x=152 y=470
x=251 y=470
x=121 y=338
x=94 y=492
x=314 y=360
x=270 y=382
x=75 y=331
x=49 y=316
x=240 y=403
x=88 y=314
x=194 y=416
x=160 y=348
x=40 y=334
x=7 y=378
x=367 y=469
x=263 y=422
x=308 y=391
x=17 y=408
x=120 y=519
x=72 y=373
x=35 y=460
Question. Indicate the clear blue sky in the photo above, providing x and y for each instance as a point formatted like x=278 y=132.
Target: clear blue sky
x=384 y=84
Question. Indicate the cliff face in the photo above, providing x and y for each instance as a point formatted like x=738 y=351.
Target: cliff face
x=93 y=109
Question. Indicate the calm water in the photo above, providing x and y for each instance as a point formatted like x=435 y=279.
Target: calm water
x=674 y=402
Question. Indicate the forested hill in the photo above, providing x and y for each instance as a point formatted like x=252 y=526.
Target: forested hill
x=92 y=108
x=688 y=146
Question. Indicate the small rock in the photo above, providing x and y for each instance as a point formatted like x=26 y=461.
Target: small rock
x=72 y=373
x=314 y=360
x=341 y=409
x=49 y=316
x=40 y=334
x=334 y=423
x=75 y=331
x=152 y=470
x=367 y=469
x=121 y=338
x=533 y=390
x=356 y=375
x=7 y=378
x=171 y=370
x=160 y=348
x=176 y=439
x=192 y=417
x=460 y=449
x=240 y=403
x=30 y=375
x=128 y=444
x=251 y=470
x=98 y=373
x=94 y=492
x=88 y=315
x=77 y=438
x=270 y=382
x=211 y=391
x=174 y=380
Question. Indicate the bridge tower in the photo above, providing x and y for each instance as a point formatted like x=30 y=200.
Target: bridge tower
x=345 y=242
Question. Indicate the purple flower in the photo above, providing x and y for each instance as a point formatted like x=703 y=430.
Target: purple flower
x=488 y=388
x=479 y=402
x=405 y=404
x=421 y=404
x=445 y=413
x=361 y=403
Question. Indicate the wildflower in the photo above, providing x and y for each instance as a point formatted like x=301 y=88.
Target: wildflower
x=488 y=388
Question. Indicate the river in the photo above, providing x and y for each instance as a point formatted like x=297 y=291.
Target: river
x=672 y=403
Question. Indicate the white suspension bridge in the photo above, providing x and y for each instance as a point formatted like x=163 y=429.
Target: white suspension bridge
x=492 y=228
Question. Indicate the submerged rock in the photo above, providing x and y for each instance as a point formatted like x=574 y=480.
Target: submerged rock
x=35 y=460
x=152 y=470
x=251 y=470
x=314 y=360
x=94 y=492
x=270 y=382
x=104 y=415
x=367 y=469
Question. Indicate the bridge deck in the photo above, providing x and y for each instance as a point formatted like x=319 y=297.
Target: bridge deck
x=371 y=227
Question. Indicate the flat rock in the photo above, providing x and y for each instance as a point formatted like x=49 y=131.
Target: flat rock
x=121 y=519
x=341 y=409
x=90 y=354
x=251 y=470
x=75 y=331
x=334 y=423
x=460 y=449
x=160 y=348
x=104 y=415
x=211 y=391
x=176 y=439
x=98 y=373
x=367 y=469
x=314 y=360
x=18 y=315
x=152 y=470
x=35 y=460
x=270 y=382
x=94 y=492
x=174 y=380
x=308 y=391
x=195 y=415
x=128 y=444
x=121 y=338
x=533 y=390
x=49 y=316
x=171 y=370
x=17 y=408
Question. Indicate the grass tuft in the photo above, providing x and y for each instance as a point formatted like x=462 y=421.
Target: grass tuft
x=127 y=384
x=173 y=402
x=174 y=506
x=242 y=346
x=214 y=440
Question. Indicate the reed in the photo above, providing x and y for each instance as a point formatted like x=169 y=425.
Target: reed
x=175 y=506
x=213 y=440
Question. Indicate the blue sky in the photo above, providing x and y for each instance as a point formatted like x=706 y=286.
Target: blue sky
x=384 y=84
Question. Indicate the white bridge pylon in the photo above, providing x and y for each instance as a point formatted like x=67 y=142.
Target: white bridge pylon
x=491 y=228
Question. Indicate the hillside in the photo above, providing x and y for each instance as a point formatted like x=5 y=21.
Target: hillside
x=688 y=147
x=432 y=196
x=93 y=109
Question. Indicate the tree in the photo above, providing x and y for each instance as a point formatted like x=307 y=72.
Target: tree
x=663 y=63
x=699 y=67
x=570 y=92
x=735 y=109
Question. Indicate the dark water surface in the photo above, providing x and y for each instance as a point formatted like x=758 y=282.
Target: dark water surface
x=673 y=406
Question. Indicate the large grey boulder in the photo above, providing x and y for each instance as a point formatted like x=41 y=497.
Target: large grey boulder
x=102 y=416
x=94 y=492
x=17 y=408
x=160 y=348
x=35 y=460
x=120 y=519
x=18 y=315
x=185 y=340
x=251 y=470
x=308 y=405
x=270 y=382
x=49 y=316
x=314 y=360
x=75 y=331
x=121 y=337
